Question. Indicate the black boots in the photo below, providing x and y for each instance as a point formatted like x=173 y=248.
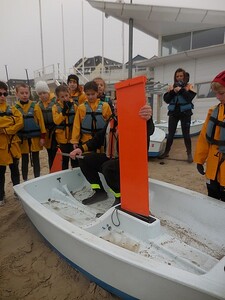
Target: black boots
x=189 y=158
x=98 y=196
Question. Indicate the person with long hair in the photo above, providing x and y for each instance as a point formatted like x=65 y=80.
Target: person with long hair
x=179 y=99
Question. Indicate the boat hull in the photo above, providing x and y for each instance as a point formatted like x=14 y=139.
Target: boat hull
x=195 y=128
x=157 y=143
x=114 y=267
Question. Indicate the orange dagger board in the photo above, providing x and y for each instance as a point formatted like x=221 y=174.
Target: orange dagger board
x=131 y=97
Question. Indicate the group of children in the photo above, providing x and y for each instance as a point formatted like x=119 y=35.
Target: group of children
x=64 y=119
x=71 y=119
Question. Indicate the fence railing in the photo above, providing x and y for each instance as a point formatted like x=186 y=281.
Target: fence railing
x=110 y=73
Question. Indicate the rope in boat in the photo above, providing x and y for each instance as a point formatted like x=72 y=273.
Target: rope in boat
x=115 y=211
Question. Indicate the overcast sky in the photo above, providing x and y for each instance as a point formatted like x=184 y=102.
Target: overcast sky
x=21 y=39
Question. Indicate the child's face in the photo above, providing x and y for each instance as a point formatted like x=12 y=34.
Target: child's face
x=72 y=85
x=23 y=93
x=44 y=96
x=91 y=95
x=101 y=86
x=3 y=95
x=179 y=76
x=64 y=96
x=220 y=95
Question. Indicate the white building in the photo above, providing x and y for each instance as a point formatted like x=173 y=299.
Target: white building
x=190 y=35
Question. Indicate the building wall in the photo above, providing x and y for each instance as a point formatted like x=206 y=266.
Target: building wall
x=200 y=70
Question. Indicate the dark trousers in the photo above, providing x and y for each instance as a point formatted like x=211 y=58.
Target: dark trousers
x=35 y=163
x=185 y=120
x=15 y=176
x=215 y=190
x=67 y=148
x=52 y=152
x=99 y=162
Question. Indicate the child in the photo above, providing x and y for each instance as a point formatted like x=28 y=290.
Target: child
x=11 y=120
x=63 y=116
x=33 y=133
x=47 y=100
x=101 y=92
x=106 y=163
x=210 y=148
x=91 y=116
x=75 y=89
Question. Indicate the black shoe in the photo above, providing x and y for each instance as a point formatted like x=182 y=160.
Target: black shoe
x=97 y=197
x=116 y=202
x=164 y=155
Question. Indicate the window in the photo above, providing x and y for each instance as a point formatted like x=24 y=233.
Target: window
x=205 y=38
x=204 y=90
x=173 y=44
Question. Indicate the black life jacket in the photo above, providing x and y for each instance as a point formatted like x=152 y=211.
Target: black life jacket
x=47 y=114
x=211 y=129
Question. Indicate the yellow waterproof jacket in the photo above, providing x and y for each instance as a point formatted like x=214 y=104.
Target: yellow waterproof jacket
x=49 y=132
x=77 y=136
x=63 y=135
x=9 y=141
x=78 y=97
x=209 y=153
x=35 y=141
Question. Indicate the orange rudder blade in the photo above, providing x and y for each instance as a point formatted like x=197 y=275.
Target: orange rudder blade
x=57 y=163
x=133 y=146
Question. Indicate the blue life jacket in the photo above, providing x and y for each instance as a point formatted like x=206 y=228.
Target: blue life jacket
x=211 y=129
x=8 y=112
x=31 y=128
x=70 y=116
x=181 y=102
x=93 y=120
x=47 y=114
x=75 y=99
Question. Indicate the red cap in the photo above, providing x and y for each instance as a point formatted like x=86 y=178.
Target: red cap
x=220 y=78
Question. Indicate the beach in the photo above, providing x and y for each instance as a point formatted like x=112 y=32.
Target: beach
x=31 y=269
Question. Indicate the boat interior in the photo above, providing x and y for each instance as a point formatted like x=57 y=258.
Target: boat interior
x=161 y=237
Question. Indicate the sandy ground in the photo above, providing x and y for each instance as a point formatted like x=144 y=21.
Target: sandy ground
x=30 y=269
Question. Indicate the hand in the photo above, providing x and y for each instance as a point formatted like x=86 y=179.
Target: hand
x=146 y=112
x=177 y=89
x=42 y=142
x=76 y=152
x=200 y=169
x=64 y=109
x=75 y=146
x=68 y=104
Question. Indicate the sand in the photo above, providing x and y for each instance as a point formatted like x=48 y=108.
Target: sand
x=30 y=269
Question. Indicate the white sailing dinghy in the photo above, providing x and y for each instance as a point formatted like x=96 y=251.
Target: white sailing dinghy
x=195 y=128
x=157 y=143
x=180 y=255
x=175 y=252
